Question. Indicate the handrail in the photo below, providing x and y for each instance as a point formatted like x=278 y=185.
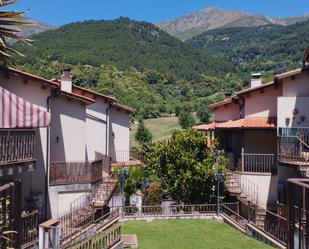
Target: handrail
x=247 y=187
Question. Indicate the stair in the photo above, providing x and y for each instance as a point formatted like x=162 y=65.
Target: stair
x=234 y=188
x=103 y=193
x=231 y=184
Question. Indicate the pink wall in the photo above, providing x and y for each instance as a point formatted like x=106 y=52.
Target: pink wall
x=227 y=112
x=262 y=104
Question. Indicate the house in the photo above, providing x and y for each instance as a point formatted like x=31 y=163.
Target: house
x=75 y=135
x=263 y=132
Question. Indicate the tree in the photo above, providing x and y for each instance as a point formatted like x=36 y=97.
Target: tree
x=8 y=19
x=203 y=112
x=143 y=135
x=184 y=165
x=186 y=120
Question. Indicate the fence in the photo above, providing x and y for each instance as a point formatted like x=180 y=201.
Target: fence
x=259 y=163
x=174 y=210
x=293 y=145
x=101 y=233
x=17 y=145
x=29 y=230
x=75 y=172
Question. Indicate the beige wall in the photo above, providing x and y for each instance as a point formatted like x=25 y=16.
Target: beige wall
x=262 y=104
x=68 y=130
x=261 y=141
x=119 y=135
x=96 y=128
x=227 y=112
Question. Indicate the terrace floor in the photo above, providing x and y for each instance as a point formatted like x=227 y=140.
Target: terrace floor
x=189 y=234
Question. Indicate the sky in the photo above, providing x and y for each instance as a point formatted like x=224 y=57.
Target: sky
x=59 y=12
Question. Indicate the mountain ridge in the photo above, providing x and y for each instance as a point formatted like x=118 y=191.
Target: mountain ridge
x=195 y=23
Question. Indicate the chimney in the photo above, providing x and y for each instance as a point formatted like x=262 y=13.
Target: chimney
x=66 y=81
x=256 y=80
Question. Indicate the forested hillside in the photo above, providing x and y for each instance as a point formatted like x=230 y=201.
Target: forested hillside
x=270 y=49
x=138 y=63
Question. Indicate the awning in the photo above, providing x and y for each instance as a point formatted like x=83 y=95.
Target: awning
x=19 y=113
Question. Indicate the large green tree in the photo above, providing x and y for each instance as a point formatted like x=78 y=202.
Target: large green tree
x=143 y=135
x=185 y=165
x=186 y=119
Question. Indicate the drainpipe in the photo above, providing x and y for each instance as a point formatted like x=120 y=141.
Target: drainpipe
x=107 y=129
x=54 y=93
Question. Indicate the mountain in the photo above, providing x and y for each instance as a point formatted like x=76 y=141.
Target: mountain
x=137 y=62
x=269 y=49
x=35 y=27
x=294 y=19
x=195 y=23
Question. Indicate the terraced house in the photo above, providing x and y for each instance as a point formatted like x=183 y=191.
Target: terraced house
x=58 y=142
x=264 y=132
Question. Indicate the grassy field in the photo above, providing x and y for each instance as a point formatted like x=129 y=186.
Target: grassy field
x=189 y=234
x=160 y=128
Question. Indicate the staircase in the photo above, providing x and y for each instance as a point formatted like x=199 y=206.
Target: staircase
x=84 y=210
x=246 y=192
x=103 y=193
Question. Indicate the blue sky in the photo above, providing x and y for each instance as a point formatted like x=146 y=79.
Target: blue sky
x=65 y=11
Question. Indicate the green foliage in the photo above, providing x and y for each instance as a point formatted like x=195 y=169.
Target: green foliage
x=133 y=180
x=154 y=194
x=143 y=135
x=139 y=64
x=203 y=113
x=186 y=119
x=184 y=165
x=269 y=49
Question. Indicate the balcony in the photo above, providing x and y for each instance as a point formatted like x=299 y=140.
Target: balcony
x=252 y=163
x=62 y=173
x=17 y=151
x=125 y=158
x=293 y=146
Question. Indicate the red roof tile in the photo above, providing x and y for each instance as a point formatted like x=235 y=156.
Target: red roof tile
x=248 y=122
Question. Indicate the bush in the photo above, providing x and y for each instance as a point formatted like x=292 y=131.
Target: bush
x=186 y=120
x=154 y=194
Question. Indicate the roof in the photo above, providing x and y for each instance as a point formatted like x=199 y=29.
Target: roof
x=223 y=102
x=81 y=89
x=252 y=89
x=28 y=75
x=49 y=82
x=205 y=127
x=306 y=56
x=124 y=107
x=91 y=95
x=248 y=122
x=288 y=74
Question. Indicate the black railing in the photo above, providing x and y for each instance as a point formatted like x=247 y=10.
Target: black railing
x=17 y=145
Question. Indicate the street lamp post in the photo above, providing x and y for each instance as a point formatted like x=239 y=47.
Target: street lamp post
x=218 y=177
x=123 y=173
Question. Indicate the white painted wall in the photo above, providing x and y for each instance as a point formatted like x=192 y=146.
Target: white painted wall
x=68 y=130
x=286 y=107
x=119 y=135
x=96 y=128
x=267 y=188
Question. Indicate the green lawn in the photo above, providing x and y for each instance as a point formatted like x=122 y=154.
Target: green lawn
x=160 y=128
x=189 y=234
